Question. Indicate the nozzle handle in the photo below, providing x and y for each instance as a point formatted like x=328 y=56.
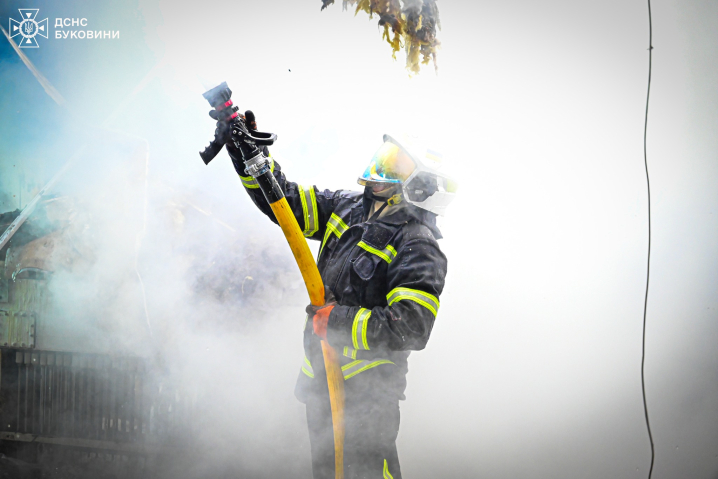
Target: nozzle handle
x=261 y=138
x=211 y=151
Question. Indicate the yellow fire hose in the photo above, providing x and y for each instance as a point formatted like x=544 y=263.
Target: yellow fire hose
x=315 y=288
x=256 y=164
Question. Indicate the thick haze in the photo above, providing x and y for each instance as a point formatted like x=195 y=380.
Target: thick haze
x=533 y=369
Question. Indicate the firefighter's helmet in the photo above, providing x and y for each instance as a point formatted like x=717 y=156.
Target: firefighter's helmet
x=408 y=162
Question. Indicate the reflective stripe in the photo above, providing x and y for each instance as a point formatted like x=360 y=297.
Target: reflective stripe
x=350 y=352
x=335 y=225
x=387 y=474
x=361 y=321
x=250 y=182
x=387 y=254
x=309 y=207
x=355 y=367
x=307 y=368
x=349 y=370
x=427 y=300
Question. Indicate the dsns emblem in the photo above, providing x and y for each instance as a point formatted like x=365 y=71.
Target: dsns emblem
x=28 y=27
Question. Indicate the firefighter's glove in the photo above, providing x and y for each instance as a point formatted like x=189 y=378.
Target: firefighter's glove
x=320 y=315
x=320 y=321
x=225 y=133
x=225 y=120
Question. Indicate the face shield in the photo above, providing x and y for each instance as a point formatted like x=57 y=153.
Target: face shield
x=389 y=165
x=419 y=171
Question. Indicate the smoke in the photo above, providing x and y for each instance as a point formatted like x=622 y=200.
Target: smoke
x=533 y=365
x=216 y=306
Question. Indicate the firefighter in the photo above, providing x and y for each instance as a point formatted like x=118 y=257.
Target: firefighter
x=383 y=273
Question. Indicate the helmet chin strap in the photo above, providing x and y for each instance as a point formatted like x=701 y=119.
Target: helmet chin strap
x=390 y=201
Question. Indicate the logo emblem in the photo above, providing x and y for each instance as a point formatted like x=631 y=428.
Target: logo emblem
x=28 y=27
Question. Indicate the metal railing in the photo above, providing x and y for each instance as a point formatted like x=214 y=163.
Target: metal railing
x=90 y=401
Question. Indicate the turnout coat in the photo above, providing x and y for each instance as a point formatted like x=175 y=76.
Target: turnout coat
x=386 y=275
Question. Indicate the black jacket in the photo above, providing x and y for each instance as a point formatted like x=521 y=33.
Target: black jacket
x=386 y=275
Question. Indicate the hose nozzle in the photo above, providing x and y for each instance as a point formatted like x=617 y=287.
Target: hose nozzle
x=236 y=128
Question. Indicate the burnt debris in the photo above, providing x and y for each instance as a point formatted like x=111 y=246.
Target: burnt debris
x=408 y=24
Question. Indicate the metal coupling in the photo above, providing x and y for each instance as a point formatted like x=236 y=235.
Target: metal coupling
x=257 y=165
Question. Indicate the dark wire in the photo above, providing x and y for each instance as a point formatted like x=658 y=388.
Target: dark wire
x=648 y=267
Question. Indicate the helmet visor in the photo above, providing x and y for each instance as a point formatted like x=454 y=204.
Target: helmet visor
x=390 y=164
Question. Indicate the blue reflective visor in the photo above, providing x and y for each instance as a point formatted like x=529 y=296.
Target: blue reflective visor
x=390 y=164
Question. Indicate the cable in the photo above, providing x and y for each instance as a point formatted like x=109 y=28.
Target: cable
x=648 y=266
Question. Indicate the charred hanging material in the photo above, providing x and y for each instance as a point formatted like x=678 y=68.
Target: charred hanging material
x=410 y=24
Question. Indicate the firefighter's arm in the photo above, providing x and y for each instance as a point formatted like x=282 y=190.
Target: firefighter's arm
x=415 y=281
x=311 y=207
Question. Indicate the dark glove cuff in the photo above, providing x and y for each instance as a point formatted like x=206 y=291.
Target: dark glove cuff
x=339 y=326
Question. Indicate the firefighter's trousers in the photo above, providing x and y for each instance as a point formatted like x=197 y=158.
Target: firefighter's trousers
x=372 y=424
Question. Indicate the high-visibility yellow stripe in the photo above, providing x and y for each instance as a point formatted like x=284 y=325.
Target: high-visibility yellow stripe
x=387 y=254
x=250 y=182
x=315 y=210
x=339 y=223
x=429 y=301
x=361 y=321
x=307 y=368
x=348 y=370
x=310 y=210
x=305 y=210
x=419 y=301
x=387 y=474
x=355 y=367
x=335 y=225
x=350 y=352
